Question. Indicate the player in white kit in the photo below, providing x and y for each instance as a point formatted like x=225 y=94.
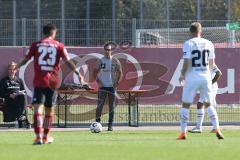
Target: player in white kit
x=199 y=59
x=216 y=74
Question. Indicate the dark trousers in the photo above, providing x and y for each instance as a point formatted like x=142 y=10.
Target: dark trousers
x=102 y=95
x=15 y=109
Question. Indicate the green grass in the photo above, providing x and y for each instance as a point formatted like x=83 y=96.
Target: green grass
x=121 y=145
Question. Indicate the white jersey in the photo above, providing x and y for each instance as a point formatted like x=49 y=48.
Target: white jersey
x=213 y=73
x=198 y=51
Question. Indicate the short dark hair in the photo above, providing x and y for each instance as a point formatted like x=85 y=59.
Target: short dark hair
x=48 y=28
x=195 y=27
x=109 y=46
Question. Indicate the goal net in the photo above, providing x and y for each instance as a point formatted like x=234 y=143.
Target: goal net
x=175 y=37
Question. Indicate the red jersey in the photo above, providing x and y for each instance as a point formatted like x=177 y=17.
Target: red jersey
x=47 y=54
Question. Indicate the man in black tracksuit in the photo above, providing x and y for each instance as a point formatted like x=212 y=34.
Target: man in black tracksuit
x=12 y=90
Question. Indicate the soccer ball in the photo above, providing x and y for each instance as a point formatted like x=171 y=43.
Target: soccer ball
x=96 y=127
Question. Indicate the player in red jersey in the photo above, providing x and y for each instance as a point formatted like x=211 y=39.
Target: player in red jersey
x=47 y=54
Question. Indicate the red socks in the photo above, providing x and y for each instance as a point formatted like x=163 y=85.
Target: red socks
x=47 y=125
x=38 y=124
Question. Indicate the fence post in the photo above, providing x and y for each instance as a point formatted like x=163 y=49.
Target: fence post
x=198 y=10
x=63 y=21
x=229 y=13
x=88 y=23
x=38 y=19
x=141 y=14
x=14 y=23
x=24 y=31
x=232 y=38
x=134 y=28
x=138 y=39
x=168 y=21
x=113 y=21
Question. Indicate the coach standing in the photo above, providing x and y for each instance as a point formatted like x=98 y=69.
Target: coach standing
x=108 y=74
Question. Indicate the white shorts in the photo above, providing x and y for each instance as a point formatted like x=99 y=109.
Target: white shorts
x=191 y=88
x=214 y=93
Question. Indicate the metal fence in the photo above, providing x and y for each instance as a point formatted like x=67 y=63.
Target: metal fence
x=87 y=33
x=147 y=115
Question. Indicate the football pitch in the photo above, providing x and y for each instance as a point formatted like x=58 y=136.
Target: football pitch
x=121 y=145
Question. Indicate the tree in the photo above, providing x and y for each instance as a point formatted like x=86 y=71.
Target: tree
x=214 y=9
x=128 y=9
x=183 y=10
x=235 y=10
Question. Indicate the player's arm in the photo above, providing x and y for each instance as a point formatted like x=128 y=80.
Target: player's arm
x=21 y=84
x=218 y=74
x=22 y=62
x=211 y=64
x=29 y=55
x=22 y=88
x=71 y=65
x=186 y=56
x=183 y=70
x=212 y=58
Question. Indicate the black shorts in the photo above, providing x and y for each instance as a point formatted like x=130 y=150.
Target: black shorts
x=44 y=96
